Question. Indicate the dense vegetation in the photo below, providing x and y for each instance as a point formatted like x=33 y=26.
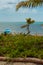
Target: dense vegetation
x=21 y=45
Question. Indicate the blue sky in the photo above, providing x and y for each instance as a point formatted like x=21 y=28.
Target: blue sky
x=8 y=12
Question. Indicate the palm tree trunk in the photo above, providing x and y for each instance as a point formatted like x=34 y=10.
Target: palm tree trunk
x=28 y=29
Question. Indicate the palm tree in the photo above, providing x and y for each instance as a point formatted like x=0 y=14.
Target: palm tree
x=29 y=3
x=29 y=21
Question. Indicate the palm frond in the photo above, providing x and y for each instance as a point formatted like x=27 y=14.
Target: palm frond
x=29 y=21
x=29 y=3
x=24 y=26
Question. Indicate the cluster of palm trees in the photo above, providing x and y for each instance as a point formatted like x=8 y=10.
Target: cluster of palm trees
x=29 y=3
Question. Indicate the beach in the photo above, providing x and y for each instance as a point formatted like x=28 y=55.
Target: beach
x=15 y=27
x=17 y=63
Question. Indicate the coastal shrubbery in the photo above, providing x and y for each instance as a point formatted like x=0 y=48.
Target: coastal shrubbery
x=21 y=45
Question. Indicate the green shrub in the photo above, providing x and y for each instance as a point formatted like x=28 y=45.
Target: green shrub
x=21 y=45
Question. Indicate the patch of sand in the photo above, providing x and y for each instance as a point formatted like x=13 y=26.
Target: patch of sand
x=17 y=63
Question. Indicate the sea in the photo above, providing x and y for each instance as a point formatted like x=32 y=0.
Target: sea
x=15 y=27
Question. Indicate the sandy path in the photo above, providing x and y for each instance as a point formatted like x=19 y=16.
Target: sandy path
x=17 y=63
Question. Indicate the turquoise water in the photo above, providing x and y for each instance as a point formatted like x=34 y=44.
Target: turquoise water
x=16 y=27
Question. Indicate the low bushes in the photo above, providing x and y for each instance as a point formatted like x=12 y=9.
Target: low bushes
x=21 y=45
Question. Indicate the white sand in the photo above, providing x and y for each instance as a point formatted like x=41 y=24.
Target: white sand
x=17 y=63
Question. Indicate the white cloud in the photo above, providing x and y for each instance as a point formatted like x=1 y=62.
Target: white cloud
x=13 y=1
x=4 y=3
x=34 y=10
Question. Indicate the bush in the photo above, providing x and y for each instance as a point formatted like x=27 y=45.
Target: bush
x=21 y=45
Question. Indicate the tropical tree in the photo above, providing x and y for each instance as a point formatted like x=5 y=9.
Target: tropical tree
x=29 y=21
x=29 y=3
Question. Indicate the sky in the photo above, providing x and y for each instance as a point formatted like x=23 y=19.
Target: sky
x=8 y=12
